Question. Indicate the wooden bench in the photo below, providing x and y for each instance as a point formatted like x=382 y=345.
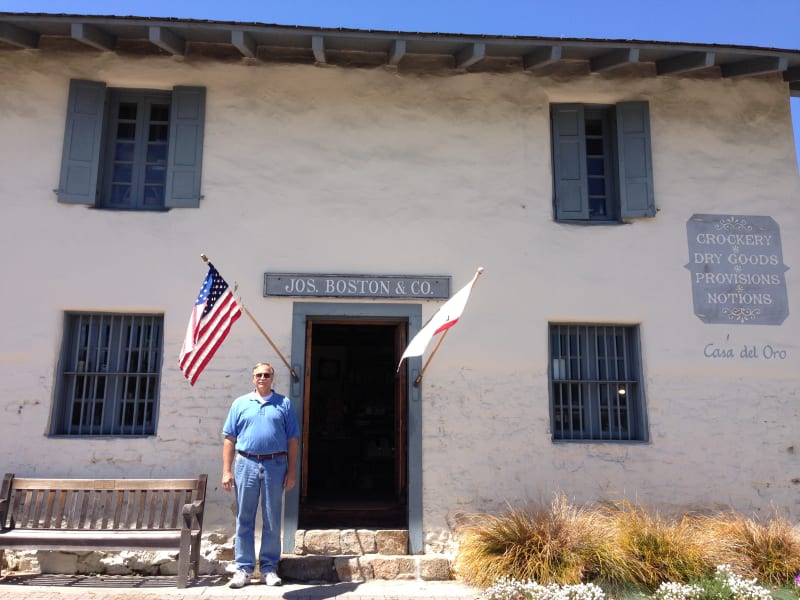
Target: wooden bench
x=105 y=514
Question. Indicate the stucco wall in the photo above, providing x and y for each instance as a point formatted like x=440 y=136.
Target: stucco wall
x=321 y=169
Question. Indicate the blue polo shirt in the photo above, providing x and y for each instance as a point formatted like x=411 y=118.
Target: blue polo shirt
x=261 y=426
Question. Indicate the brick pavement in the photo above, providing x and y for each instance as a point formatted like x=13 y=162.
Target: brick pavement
x=77 y=587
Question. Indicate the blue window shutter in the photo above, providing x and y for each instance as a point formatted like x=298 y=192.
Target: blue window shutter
x=80 y=158
x=187 y=122
x=569 y=162
x=635 y=161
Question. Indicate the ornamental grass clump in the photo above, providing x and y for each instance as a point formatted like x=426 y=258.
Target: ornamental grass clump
x=658 y=548
x=765 y=550
x=559 y=544
x=769 y=550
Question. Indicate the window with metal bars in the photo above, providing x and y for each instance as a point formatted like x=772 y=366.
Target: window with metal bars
x=109 y=375
x=596 y=383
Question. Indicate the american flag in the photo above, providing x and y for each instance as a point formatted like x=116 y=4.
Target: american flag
x=215 y=311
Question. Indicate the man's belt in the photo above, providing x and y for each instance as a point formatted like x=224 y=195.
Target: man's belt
x=261 y=456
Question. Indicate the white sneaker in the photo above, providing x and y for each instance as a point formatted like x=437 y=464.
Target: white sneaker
x=240 y=579
x=271 y=578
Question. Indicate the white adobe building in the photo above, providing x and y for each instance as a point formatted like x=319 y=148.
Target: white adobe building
x=635 y=205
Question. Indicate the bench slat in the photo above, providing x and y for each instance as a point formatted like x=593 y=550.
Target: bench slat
x=60 y=517
x=177 y=505
x=106 y=507
x=36 y=506
x=21 y=508
x=48 y=513
x=142 y=505
x=162 y=520
x=120 y=496
x=28 y=539
x=84 y=508
x=24 y=483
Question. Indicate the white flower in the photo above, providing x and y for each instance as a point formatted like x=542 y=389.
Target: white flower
x=677 y=591
x=506 y=588
x=741 y=588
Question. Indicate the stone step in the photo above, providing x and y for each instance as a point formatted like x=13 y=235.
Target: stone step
x=364 y=567
x=354 y=542
x=358 y=555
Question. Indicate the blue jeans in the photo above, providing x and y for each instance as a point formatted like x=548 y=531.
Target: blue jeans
x=258 y=480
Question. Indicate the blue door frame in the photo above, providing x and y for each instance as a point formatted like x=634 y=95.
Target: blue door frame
x=301 y=312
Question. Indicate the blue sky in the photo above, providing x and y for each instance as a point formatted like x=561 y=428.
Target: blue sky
x=767 y=23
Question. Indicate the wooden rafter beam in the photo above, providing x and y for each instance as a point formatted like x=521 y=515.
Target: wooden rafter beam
x=93 y=36
x=755 y=66
x=244 y=43
x=167 y=40
x=16 y=36
x=318 y=48
x=541 y=57
x=397 y=52
x=792 y=74
x=614 y=59
x=683 y=63
x=470 y=55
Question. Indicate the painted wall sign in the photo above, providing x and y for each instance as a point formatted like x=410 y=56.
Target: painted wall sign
x=737 y=269
x=357 y=286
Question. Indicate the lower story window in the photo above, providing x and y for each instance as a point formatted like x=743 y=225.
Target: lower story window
x=596 y=383
x=109 y=375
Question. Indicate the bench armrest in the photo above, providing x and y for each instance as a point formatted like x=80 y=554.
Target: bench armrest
x=191 y=512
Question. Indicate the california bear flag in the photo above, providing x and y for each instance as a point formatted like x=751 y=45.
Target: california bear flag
x=444 y=319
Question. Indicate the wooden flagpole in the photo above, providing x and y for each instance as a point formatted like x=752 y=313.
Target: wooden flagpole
x=427 y=362
x=264 y=333
x=441 y=338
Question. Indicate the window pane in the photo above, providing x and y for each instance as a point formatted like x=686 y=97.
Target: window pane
x=124 y=152
x=120 y=194
x=126 y=131
x=122 y=173
x=159 y=112
x=597 y=207
x=127 y=111
x=157 y=153
x=155 y=174
x=594 y=127
x=594 y=147
x=595 y=166
x=158 y=133
x=154 y=195
x=597 y=186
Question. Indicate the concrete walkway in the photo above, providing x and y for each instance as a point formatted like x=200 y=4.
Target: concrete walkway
x=80 y=587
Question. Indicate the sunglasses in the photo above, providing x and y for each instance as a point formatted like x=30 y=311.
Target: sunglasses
x=262 y=375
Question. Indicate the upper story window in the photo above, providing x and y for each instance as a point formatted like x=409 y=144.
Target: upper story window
x=596 y=383
x=602 y=167
x=132 y=149
x=109 y=375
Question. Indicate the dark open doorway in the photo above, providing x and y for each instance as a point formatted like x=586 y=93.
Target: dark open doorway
x=354 y=430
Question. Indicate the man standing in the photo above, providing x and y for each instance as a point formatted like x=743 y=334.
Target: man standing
x=259 y=459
